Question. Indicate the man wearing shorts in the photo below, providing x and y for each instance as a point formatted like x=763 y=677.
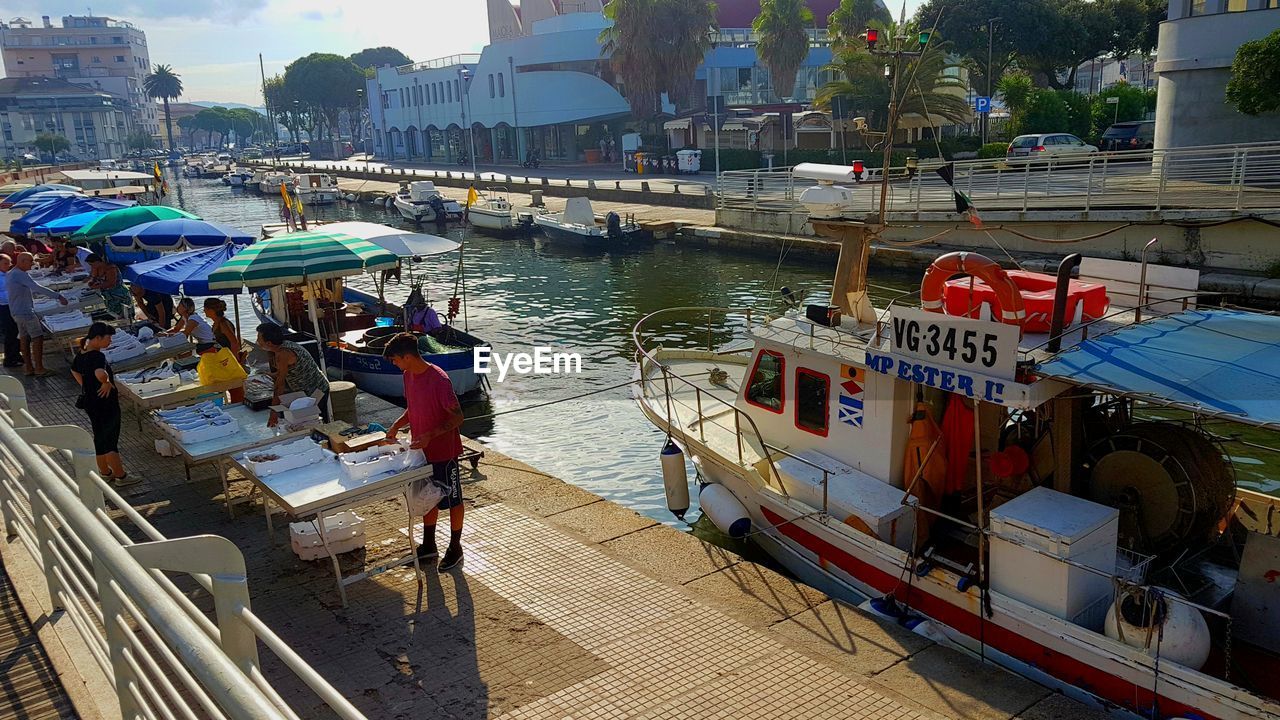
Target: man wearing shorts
x=433 y=416
x=22 y=291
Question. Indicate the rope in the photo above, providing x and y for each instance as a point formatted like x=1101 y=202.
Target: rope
x=1012 y=259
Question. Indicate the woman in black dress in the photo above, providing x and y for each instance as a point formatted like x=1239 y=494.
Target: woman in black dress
x=100 y=400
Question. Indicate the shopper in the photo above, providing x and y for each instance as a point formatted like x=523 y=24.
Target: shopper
x=293 y=368
x=8 y=329
x=101 y=402
x=433 y=416
x=22 y=291
x=224 y=333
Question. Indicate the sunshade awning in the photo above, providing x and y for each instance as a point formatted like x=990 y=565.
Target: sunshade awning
x=1220 y=363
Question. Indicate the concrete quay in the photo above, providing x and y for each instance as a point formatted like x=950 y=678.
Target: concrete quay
x=568 y=606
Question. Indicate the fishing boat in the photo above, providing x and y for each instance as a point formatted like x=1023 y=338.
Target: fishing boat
x=420 y=202
x=1056 y=502
x=238 y=178
x=493 y=214
x=577 y=227
x=272 y=179
x=316 y=188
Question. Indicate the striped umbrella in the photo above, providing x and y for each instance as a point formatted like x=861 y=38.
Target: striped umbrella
x=118 y=220
x=300 y=257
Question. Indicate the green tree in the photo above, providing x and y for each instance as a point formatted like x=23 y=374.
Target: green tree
x=1134 y=104
x=51 y=143
x=214 y=120
x=187 y=126
x=164 y=84
x=244 y=123
x=326 y=84
x=853 y=17
x=783 y=26
x=655 y=46
x=377 y=57
x=140 y=140
x=1046 y=112
x=1254 y=87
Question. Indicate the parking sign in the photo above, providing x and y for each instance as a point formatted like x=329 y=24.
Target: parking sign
x=982 y=105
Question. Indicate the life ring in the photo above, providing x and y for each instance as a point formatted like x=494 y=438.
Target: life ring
x=1012 y=311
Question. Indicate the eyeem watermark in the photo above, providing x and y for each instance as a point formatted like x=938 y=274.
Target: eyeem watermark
x=542 y=361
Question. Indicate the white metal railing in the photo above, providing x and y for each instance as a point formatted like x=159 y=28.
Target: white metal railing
x=164 y=657
x=438 y=63
x=1240 y=178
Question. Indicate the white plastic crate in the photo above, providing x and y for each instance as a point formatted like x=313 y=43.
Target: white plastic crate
x=379 y=460
x=289 y=456
x=344 y=531
x=205 y=432
x=151 y=382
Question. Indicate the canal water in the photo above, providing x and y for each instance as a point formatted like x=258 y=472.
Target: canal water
x=521 y=294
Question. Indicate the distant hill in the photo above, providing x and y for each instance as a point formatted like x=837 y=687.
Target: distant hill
x=228 y=105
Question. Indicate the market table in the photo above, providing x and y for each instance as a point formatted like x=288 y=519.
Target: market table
x=310 y=493
x=184 y=394
x=87 y=301
x=253 y=433
x=153 y=356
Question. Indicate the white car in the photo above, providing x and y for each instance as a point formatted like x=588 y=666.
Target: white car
x=1048 y=145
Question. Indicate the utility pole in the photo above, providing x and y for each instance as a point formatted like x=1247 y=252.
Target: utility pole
x=986 y=117
x=464 y=87
x=894 y=55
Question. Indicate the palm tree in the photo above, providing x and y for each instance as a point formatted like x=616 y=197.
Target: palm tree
x=926 y=90
x=655 y=46
x=783 y=26
x=854 y=16
x=164 y=84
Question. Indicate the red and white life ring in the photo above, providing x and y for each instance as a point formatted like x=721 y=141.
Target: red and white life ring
x=1012 y=311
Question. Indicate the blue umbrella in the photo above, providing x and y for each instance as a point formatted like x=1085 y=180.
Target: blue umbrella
x=177 y=234
x=62 y=207
x=32 y=201
x=21 y=194
x=66 y=225
x=184 y=273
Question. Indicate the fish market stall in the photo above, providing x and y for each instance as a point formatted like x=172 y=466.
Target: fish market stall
x=76 y=300
x=164 y=387
x=318 y=488
x=136 y=354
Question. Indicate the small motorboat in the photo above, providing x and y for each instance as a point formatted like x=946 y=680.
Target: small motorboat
x=420 y=202
x=495 y=215
x=577 y=226
x=316 y=188
x=271 y=181
x=238 y=178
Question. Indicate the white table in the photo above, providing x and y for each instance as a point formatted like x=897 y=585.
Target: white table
x=253 y=433
x=184 y=394
x=86 y=302
x=312 y=492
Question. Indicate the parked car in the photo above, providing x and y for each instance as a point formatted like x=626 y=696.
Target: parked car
x=1137 y=135
x=1047 y=145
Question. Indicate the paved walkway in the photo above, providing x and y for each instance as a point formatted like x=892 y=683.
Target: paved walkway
x=29 y=686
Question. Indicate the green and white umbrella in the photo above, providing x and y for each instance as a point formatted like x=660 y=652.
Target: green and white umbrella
x=298 y=258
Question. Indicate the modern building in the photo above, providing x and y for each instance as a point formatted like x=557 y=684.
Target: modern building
x=98 y=52
x=1197 y=46
x=93 y=121
x=1104 y=72
x=543 y=83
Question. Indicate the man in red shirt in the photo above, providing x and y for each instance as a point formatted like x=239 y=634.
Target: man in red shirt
x=433 y=416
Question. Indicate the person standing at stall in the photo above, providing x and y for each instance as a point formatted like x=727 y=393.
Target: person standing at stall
x=22 y=291
x=101 y=402
x=157 y=307
x=293 y=368
x=105 y=278
x=433 y=416
x=8 y=329
x=192 y=325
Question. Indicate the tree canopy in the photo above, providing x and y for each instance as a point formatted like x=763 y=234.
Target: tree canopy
x=379 y=56
x=853 y=17
x=655 y=46
x=51 y=143
x=164 y=84
x=783 y=26
x=1254 y=87
x=325 y=84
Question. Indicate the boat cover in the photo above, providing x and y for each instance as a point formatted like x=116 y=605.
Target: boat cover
x=1214 y=362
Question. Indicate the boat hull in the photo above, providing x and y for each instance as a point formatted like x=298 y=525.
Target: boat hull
x=375 y=374
x=597 y=240
x=318 y=197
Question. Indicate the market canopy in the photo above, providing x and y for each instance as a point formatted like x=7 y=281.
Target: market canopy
x=1220 y=363
x=301 y=257
x=114 y=222
x=67 y=225
x=15 y=197
x=178 y=234
x=63 y=207
x=184 y=273
x=40 y=198
x=394 y=240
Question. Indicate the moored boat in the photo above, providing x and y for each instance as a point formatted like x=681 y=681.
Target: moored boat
x=421 y=202
x=495 y=215
x=316 y=188
x=577 y=227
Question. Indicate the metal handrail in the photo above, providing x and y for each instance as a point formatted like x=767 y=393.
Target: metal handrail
x=61 y=517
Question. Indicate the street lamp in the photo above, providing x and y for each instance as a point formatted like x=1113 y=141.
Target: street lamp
x=464 y=88
x=986 y=117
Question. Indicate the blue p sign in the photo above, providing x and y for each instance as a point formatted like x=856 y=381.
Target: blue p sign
x=982 y=105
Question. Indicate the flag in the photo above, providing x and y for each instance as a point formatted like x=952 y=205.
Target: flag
x=155 y=172
x=284 y=193
x=964 y=205
x=472 y=196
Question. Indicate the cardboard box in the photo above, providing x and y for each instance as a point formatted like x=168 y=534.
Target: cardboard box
x=305 y=416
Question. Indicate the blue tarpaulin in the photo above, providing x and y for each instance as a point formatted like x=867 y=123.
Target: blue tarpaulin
x=62 y=208
x=184 y=273
x=66 y=225
x=1224 y=363
x=42 y=187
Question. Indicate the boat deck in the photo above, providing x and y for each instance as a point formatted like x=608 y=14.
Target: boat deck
x=567 y=606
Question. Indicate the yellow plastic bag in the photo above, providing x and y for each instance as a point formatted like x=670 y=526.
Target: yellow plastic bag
x=219 y=367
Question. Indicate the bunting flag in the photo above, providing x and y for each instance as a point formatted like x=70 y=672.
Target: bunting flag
x=964 y=205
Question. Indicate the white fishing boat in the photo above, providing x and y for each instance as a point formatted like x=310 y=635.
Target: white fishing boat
x=1033 y=488
x=316 y=188
x=238 y=177
x=577 y=227
x=271 y=181
x=421 y=202
x=494 y=214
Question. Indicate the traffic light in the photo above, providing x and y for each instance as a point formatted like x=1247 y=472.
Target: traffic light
x=872 y=36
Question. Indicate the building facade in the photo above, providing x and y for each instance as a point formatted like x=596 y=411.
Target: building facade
x=93 y=121
x=1197 y=46
x=104 y=54
x=543 y=84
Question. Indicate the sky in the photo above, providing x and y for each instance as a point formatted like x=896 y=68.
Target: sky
x=214 y=45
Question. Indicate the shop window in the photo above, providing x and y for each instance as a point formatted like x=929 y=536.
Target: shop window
x=812 y=391
x=765 y=389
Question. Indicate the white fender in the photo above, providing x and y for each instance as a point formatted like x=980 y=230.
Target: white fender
x=675 y=479
x=725 y=510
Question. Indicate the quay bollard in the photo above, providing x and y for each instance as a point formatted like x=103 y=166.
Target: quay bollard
x=644 y=186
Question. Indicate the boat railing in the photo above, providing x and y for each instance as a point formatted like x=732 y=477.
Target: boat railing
x=161 y=654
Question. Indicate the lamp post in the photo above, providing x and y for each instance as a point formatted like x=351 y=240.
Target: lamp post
x=464 y=89
x=986 y=117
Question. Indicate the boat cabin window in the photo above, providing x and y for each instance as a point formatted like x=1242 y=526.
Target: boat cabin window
x=812 y=390
x=765 y=387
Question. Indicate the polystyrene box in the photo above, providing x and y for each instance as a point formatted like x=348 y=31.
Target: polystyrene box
x=344 y=531
x=290 y=456
x=380 y=460
x=205 y=433
x=154 y=386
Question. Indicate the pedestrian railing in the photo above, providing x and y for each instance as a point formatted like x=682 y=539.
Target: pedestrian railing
x=1240 y=178
x=164 y=656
